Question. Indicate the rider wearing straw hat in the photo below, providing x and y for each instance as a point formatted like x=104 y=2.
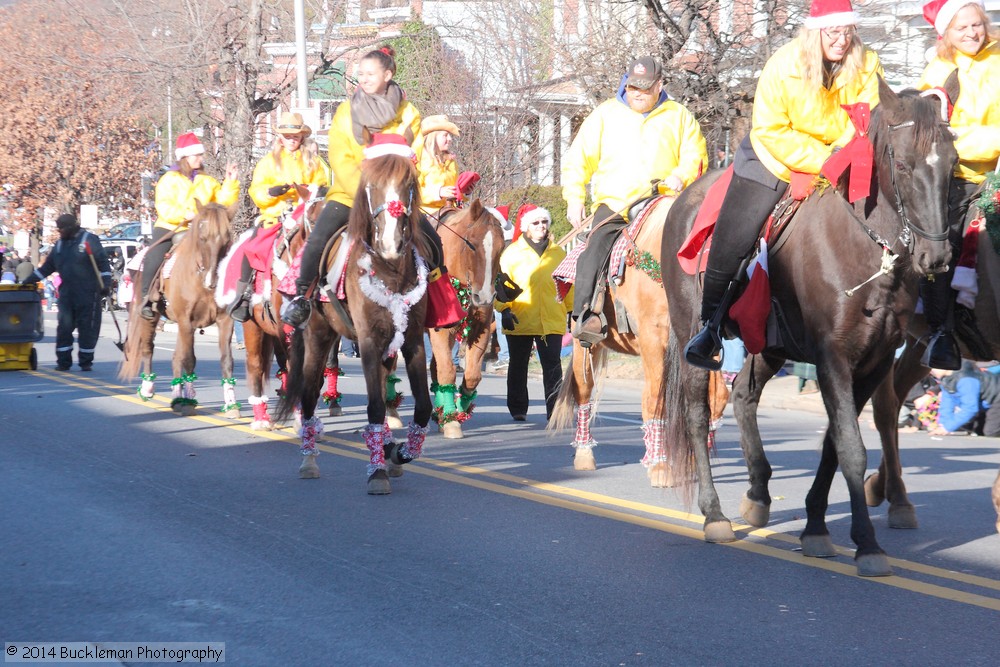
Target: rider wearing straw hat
x=798 y=122
x=436 y=164
x=966 y=43
x=176 y=193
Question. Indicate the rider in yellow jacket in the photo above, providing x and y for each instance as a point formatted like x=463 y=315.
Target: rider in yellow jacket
x=625 y=143
x=797 y=124
x=967 y=45
x=175 y=197
x=436 y=164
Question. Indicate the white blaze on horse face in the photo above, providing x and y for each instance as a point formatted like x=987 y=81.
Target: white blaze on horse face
x=389 y=239
x=933 y=158
x=486 y=291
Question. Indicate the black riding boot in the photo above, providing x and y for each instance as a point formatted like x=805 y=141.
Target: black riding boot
x=704 y=350
x=240 y=309
x=334 y=216
x=942 y=349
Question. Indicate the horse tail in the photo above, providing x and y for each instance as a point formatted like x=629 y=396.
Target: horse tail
x=676 y=435
x=294 y=384
x=131 y=362
x=564 y=412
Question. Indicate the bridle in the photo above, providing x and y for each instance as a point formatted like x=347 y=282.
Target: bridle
x=393 y=207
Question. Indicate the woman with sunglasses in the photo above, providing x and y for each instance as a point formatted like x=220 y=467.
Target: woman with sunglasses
x=967 y=42
x=798 y=122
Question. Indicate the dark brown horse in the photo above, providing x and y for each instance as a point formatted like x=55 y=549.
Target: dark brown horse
x=828 y=253
x=887 y=483
x=385 y=286
x=189 y=292
x=472 y=240
x=639 y=301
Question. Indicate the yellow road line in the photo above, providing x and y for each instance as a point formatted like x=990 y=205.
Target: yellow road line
x=539 y=492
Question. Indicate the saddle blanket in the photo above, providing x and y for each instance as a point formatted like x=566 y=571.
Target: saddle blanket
x=338 y=272
x=135 y=264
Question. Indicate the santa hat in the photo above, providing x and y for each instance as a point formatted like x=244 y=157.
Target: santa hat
x=965 y=280
x=939 y=13
x=389 y=144
x=527 y=214
x=751 y=310
x=830 y=13
x=188 y=144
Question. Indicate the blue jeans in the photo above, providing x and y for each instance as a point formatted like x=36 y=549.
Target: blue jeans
x=504 y=354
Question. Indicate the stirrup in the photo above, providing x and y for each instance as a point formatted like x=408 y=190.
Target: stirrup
x=296 y=312
x=702 y=349
x=587 y=332
x=942 y=352
x=147 y=312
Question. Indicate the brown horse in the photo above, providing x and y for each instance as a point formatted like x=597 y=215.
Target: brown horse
x=633 y=303
x=472 y=240
x=887 y=482
x=264 y=334
x=385 y=286
x=190 y=302
x=830 y=311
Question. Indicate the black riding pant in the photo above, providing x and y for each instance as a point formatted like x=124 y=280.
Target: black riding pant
x=746 y=207
x=594 y=258
x=549 y=348
x=153 y=259
x=333 y=218
x=80 y=310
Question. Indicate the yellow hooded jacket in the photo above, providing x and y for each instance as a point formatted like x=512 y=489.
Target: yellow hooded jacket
x=292 y=171
x=796 y=129
x=976 y=114
x=619 y=151
x=537 y=311
x=433 y=177
x=176 y=195
x=346 y=154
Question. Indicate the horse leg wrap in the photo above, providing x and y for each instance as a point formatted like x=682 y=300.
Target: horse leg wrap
x=146 y=389
x=583 y=438
x=260 y=416
x=312 y=428
x=467 y=401
x=374 y=435
x=392 y=397
x=444 y=398
x=332 y=375
x=415 y=437
x=283 y=376
x=656 y=450
x=229 y=401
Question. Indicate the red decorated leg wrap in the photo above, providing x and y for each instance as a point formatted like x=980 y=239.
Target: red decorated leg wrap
x=583 y=437
x=374 y=435
x=312 y=428
x=331 y=395
x=415 y=440
x=656 y=450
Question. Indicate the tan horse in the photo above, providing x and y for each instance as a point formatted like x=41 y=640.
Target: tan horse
x=190 y=302
x=472 y=240
x=640 y=299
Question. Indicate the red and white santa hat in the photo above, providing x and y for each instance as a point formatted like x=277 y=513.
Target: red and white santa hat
x=188 y=144
x=383 y=144
x=939 y=13
x=527 y=214
x=830 y=13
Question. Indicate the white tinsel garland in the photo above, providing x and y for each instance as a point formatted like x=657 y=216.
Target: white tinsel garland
x=398 y=305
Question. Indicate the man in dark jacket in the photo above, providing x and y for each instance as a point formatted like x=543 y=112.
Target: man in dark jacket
x=78 y=257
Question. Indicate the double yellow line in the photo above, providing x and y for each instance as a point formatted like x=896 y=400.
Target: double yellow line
x=607 y=507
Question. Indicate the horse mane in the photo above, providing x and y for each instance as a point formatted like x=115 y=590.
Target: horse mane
x=387 y=169
x=924 y=113
x=210 y=233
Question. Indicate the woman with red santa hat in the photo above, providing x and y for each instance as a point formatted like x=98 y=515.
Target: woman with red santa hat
x=967 y=43
x=176 y=194
x=798 y=122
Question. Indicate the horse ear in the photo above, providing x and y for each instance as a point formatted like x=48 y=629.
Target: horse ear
x=952 y=88
x=476 y=208
x=408 y=135
x=198 y=206
x=889 y=101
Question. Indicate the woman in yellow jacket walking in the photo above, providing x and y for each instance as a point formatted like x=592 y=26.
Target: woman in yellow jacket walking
x=535 y=315
x=436 y=164
x=176 y=193
x=968 y=45
x=797 y=124
x=293 y=160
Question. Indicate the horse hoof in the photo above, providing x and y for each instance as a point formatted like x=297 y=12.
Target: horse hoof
x=378 y=483
x=393 y=469
x=584 y=459
x=188 y=410
x=261 y=425
x=336 y=410
x=659 y=476
x=452 y=431
x=309 y=469
x=233 y=413
x=718 y=532
x=903 y=516
x=873 y=565
x=393 y=421
x=754 y=512
x=817 y=546
x=874 y=490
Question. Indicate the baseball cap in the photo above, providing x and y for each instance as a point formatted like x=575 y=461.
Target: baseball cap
x=644 y=73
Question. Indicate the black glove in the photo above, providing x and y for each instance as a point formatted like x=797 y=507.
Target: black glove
x=278 y=190
x=507 y=290
x=508 y=320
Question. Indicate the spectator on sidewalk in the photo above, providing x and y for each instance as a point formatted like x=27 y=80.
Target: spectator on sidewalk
x=963 y=400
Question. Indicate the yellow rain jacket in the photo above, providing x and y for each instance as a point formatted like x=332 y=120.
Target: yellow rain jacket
x=433 y=177
x=292 y=171
x=976 y=116
x=795 y=129
x=346 y=154
x=537 y=311
x=618 y=151
x=176 y=194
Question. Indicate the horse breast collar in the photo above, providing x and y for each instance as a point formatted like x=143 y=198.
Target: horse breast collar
x=397 y=304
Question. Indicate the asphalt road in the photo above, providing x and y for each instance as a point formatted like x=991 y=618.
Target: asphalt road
x=124 y=522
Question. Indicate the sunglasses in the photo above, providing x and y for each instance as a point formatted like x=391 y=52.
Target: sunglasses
x=835 y=35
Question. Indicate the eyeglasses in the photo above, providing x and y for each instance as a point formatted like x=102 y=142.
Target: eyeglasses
x=835 y=34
